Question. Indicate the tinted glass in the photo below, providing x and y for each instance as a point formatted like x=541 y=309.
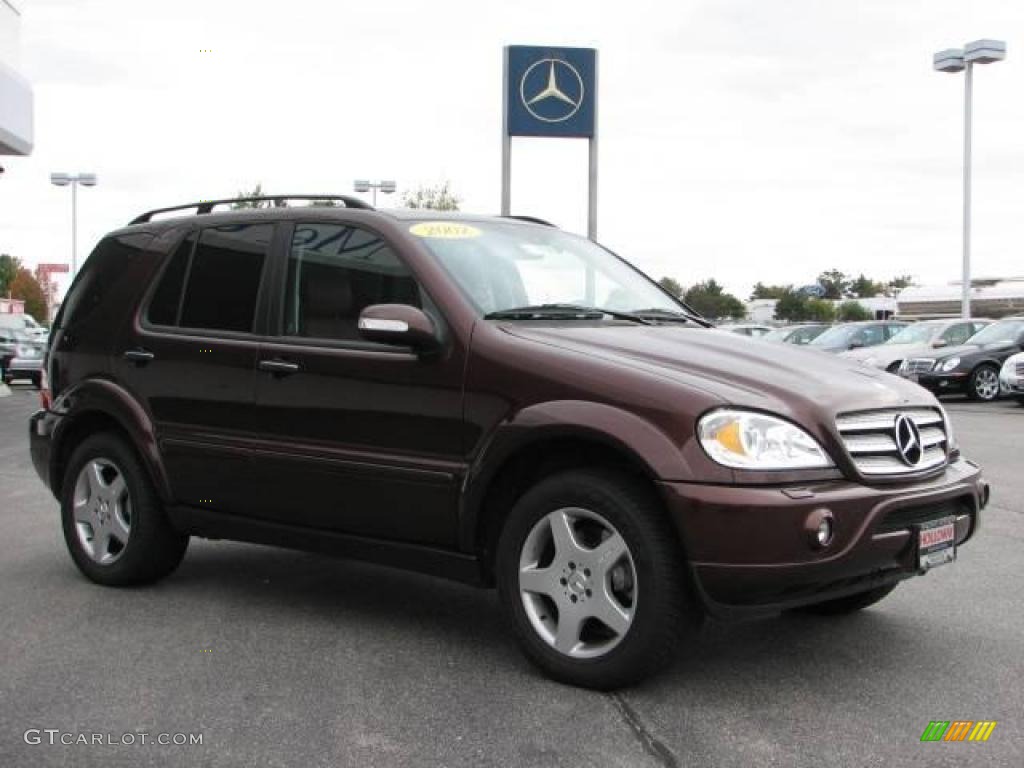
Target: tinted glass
x=224 y=279
x=958 y=334
x=98 y=276
x=163 y=309
x=334 y=272
x=1003 y=331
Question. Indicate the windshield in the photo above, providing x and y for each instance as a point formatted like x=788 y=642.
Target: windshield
x=837 y=336
x=915 y=334
x=1008 y=330
x=504 y=266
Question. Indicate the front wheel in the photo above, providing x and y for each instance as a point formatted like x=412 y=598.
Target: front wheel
x=114 y=525
x=593 y=579
x=983 y=384
x=850 y=603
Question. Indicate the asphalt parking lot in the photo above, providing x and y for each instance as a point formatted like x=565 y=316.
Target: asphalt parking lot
x=280 y=658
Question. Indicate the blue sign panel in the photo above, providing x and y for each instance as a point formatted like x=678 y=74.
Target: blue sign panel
x=550 y=91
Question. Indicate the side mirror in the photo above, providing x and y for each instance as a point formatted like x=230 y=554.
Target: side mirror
x=856 y=343
x=399 y=324
x=940 y=343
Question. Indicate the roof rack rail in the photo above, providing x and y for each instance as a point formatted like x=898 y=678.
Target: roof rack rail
x=532 y=220
x=279 y=201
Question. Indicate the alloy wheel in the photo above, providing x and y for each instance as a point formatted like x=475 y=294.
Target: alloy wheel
x=577 y=582
x=102 y=511
x=986 y=384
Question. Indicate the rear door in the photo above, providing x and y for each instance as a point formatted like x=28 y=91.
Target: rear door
x=190 y=358
x=356 y=437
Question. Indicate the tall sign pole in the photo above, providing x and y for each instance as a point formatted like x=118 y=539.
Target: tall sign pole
x=549 y=92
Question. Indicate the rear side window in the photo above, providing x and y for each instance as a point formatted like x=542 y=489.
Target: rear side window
x=220 y=274
x=163 y=309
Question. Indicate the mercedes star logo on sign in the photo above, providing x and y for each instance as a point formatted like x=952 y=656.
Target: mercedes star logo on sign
x=908 y=440
x=551 y=90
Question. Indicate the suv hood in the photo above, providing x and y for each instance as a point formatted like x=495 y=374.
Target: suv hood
x=740 y=371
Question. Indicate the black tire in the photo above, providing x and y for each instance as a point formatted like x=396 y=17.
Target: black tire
x=665 y=611
x=153 y=548
x=973 y=383
x=850 y=603
x=37 y=381
x=1020 y=401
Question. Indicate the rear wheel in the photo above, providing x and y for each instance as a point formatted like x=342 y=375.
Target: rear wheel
x=593 y=580
x=850 y=603
x=114 y=525
x=983 y=384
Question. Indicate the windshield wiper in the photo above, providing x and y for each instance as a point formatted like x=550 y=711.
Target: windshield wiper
x=669 y=316
x=562 y=312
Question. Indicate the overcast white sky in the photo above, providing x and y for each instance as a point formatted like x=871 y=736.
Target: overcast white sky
x=739 y=139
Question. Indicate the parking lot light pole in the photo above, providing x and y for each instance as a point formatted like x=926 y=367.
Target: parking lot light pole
x=73 y=179
x=963 y=60
x=387 y=187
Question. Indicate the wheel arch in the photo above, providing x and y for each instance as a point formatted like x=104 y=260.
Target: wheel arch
x=518 y=457
x=101 y=405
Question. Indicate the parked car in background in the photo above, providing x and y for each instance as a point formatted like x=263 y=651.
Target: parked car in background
x=796 y=334
x=23 y=355
x=1011 y=378
x=840 y=338
x=972 y=368
x=23 y=322
x=746 y=329
x=916 y=340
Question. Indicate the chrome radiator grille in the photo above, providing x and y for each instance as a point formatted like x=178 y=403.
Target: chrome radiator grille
x=873 y=440
x=920 y=364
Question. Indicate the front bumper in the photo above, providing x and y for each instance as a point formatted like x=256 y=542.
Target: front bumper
x=750 y=550
x=28 y=367
x=941 y=383
x=1012 y=384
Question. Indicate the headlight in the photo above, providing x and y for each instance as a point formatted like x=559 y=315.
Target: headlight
x=948 y=365
x=750 y=440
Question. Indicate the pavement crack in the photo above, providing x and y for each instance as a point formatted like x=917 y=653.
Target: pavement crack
x=650 y=743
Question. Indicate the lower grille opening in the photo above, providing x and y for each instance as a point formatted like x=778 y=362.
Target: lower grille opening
x=904 y=517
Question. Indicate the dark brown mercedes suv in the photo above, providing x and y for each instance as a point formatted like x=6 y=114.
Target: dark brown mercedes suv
x=487 y=399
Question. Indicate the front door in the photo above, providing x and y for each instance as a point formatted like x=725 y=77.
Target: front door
x=357 y=437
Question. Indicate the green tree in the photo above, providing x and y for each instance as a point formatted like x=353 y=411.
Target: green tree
x=24 y=286
x=864 y=288
x=8 y=269
x=256 y=191
x=762 y=291
x=710 y=299
x=436 y=198
x=820 y=310
x=897 y=284
x=673 y=286
x=853 y=311
x=835 y=284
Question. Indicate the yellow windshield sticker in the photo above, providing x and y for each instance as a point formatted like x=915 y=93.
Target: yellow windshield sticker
x=447 y=230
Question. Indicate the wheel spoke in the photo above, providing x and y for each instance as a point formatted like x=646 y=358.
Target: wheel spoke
x=563 y=535
x=85 y=512
x=539 y=580
x=609 y=552
x=118 y=529
x=95 y=476
x=606 y=609
x=567 y=636
x=100 y=542
x=116 y=489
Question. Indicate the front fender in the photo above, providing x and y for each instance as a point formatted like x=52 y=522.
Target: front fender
x=660 y=456
x=102 y=398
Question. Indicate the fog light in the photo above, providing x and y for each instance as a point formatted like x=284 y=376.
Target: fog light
x=820 y=527
x=824 y=534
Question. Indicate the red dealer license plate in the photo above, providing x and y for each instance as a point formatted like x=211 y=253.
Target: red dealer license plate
x=936 y=543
